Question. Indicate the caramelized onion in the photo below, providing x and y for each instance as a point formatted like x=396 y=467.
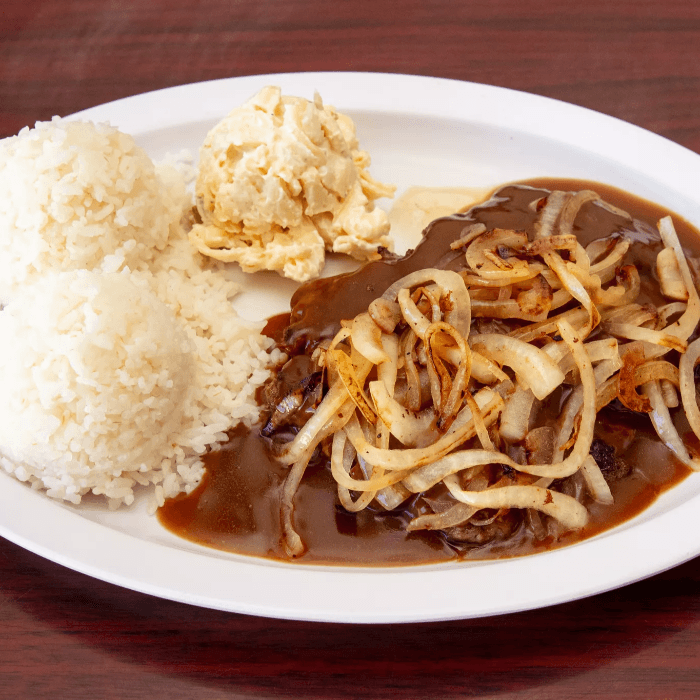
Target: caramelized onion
x=343 y=366
x=292 y=541
x=386 y=314
x=453 y=289
x=665 y=429
x=491 y=242
x=544 y=226
x=550 y=243
x=687 y=323
x=598 y=487
x=565 y=509
x=686 y=369
x=366 y=338
x=574 y=404
x=308 y=436
x=573 y=285
x=413 y=429
x=576 y=317
x=455 y=515
x=515 y=419
x=572 y=207
x=648 y=335
x=533 y=367
x=670 y=278
x=461 y=430
x=611 y=260
x=457 y=387
x=627 y=383
x=439 y=384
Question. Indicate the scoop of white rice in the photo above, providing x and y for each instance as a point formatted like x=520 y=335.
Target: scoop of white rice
x=122 y=359
x=72 y=193
x=96 y=374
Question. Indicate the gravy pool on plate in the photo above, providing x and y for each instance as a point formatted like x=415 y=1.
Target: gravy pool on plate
x=238 y=506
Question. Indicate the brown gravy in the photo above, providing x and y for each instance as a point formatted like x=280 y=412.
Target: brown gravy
x=237 y=508
x=237 y=505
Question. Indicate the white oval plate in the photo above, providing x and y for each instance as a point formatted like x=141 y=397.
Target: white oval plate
x=419 y=131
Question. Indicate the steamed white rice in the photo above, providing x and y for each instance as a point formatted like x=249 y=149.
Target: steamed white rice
x=72 y=193
x=122 y=359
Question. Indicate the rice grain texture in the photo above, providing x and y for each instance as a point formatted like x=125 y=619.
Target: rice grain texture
x=72 y=193
x=123 y=361
x=96 y=380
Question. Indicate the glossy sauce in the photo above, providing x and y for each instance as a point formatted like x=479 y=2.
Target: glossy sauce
x=237 y=505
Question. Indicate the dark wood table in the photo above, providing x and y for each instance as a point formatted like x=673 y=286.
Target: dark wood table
x=64 y=635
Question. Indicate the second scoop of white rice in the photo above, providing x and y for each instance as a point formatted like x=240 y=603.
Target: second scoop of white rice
x=96 y=380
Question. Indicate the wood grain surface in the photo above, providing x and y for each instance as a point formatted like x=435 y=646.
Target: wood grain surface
x=64 y=635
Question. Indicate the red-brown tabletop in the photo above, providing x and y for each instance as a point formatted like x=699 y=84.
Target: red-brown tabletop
x=65 y=635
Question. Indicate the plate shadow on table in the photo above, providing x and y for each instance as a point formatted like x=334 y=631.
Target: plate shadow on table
x=247 y=656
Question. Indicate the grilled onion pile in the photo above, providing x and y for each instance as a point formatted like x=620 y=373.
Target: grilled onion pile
x=418 y=398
